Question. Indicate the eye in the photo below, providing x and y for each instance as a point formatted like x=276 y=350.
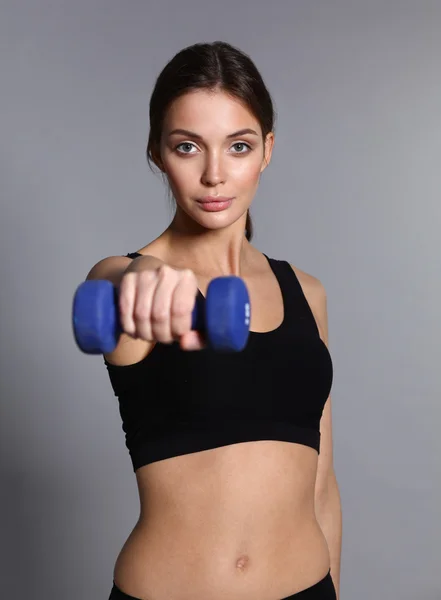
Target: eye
x=247 y=146
x=183 y=144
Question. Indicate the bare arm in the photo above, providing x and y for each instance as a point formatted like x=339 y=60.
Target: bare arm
x=327 y=495
x=327 y=498
x=113 y=268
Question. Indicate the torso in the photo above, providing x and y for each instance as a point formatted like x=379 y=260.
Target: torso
x=231 y=522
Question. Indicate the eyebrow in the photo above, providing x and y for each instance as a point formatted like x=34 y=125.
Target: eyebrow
x=199 y=137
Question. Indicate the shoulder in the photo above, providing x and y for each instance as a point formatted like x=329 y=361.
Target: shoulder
x=312 y=287
x=110 y=268
x=315 y=294
x=311 y=283
x=110 y=263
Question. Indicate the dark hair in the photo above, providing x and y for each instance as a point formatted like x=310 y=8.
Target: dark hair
x=215 y=66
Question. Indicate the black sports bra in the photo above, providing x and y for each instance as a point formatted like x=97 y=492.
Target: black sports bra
x=175 y=402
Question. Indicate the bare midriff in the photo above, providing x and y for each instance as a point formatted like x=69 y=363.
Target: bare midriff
x=233 y=522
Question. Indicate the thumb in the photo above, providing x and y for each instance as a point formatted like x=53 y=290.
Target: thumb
x=192 y=340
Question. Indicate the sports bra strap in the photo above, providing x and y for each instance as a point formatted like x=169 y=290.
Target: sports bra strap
x=298 y=312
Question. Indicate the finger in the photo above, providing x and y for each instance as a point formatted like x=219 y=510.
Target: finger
x=182 y=304
x=192 y=340
x=126 y=300
x=145 y=289
x=167 y=279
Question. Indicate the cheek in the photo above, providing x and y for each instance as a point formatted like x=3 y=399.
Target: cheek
x=247 y=174
x=181 y=171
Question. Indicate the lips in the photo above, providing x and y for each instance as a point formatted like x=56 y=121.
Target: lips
x=215 y=199
x=215 y=204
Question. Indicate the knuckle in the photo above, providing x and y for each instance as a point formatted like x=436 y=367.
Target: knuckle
x=180 y=327
x=159 y=315
x=187 y=273
x=141 y=312
x=188 y=277
x=164 y=270
x=128 y=327
x=161 y=335
x=147 y=274
x=145 y=334
x=146 y=277
x=127 y=278
x=181 y=308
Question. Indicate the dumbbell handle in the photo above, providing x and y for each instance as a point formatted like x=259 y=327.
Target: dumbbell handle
x=222 y=318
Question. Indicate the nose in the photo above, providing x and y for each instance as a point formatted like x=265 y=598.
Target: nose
x=213 y=173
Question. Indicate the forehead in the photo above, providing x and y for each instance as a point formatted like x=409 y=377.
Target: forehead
x=202 y=111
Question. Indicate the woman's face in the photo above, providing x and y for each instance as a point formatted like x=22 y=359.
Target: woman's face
x=210 y=158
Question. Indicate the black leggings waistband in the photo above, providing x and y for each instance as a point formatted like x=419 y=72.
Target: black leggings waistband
x=323 y=590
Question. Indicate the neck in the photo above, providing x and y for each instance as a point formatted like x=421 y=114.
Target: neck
x=215 y=252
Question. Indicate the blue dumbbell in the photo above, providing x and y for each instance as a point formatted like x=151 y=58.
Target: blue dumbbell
x=223 y=318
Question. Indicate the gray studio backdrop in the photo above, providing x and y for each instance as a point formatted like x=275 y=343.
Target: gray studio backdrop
x=352 y=196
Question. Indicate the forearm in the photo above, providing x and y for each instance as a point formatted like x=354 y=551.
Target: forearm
x=329 y=516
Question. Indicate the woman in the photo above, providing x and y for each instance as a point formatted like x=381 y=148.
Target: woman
x=232 y=451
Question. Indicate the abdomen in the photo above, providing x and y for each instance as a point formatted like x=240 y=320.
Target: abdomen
x=237 y=521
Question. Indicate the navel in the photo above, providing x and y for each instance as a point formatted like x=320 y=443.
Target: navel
x=242 y=562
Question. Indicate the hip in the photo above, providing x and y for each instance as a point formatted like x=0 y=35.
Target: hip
x=322 y=590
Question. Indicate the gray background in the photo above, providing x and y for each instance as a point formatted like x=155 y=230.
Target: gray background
x=351 y=196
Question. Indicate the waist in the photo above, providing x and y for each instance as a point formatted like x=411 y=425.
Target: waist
x=267 y=559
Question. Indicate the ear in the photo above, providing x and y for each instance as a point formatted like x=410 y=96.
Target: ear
x=268 y=150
